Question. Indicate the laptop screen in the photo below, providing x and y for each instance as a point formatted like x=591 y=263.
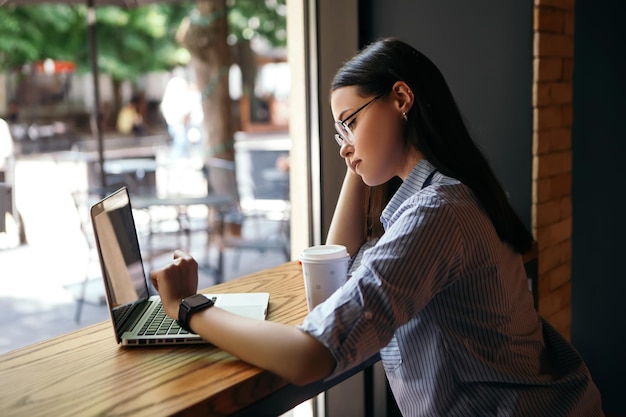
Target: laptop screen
x=120 y=258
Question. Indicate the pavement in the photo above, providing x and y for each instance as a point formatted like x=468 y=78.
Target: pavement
x=39 y=280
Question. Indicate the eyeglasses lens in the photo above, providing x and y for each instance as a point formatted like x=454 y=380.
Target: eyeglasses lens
x=344 y=134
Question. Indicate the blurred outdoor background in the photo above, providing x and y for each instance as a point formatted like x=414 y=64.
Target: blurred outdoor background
x=153 y=97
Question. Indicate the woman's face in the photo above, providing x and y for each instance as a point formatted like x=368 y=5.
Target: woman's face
x=378 y=153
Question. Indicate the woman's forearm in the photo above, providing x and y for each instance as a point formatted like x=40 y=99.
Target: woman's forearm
x=284 y=350
x=347 y=226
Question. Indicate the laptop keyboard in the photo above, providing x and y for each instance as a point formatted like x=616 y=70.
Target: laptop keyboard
x=160 y=324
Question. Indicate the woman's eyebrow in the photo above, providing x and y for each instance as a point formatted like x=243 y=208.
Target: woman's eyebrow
x=349 y=110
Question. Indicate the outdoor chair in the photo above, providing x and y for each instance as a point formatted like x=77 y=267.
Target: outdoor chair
x=91 y=289
x=248 y=224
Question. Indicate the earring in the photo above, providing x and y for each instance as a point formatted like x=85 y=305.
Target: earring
x=406 y=118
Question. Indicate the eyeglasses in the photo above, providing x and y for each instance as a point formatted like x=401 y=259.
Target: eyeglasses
x=344 y=133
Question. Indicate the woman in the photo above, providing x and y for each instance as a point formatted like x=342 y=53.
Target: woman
x=442 y=294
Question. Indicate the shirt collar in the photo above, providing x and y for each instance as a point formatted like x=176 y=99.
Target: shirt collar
x=413 y=183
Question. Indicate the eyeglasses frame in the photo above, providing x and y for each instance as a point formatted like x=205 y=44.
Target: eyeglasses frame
x=338 y=137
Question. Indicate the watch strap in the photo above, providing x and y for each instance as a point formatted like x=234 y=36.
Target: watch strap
x=190 y=305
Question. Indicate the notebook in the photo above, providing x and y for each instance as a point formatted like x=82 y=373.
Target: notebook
x=136 y=314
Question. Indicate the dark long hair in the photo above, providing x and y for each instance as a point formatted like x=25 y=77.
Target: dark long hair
x=435 y=126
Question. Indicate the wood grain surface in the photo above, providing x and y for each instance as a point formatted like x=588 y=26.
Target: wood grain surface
x=86 y=373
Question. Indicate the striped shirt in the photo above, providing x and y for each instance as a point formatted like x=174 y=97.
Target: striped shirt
x=447 y=305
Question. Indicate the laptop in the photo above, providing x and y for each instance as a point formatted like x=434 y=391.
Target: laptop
x=137 y=315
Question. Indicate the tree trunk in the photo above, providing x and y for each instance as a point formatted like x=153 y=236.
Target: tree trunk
x=206 y=41
x=247 y=63
x=205 y=38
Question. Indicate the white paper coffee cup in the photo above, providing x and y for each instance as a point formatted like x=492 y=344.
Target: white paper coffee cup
x=325 y=268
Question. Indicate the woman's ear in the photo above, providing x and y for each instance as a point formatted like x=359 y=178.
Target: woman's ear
x=403 y=96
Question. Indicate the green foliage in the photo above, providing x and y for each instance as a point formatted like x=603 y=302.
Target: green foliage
x=130 y=42
x=138 y=40
x=264 y=18
x=32 y=33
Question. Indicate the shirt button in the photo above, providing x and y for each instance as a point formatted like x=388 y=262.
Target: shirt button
x=367 y=315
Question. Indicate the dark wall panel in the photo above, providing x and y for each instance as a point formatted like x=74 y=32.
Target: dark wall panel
x=599 y=225
x=484 y=49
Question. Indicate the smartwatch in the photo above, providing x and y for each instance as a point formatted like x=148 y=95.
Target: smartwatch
x=191 y=305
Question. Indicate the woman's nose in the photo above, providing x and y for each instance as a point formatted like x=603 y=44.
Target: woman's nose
x=345 y=150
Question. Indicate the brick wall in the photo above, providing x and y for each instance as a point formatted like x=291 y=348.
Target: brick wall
x=552 y=157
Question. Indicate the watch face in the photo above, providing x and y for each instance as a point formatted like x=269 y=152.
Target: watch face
x=196 y=300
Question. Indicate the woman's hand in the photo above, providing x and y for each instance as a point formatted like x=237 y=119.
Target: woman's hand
x=175 y=281
x=348 y=225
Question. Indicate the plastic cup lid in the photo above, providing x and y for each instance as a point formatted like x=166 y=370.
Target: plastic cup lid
x=324 y=252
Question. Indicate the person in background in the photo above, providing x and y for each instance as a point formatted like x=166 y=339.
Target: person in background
x=6 y=174
x=176 y=106
x=6 y=152
x=129 y=119
x=13 y=114
x=442 y=293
